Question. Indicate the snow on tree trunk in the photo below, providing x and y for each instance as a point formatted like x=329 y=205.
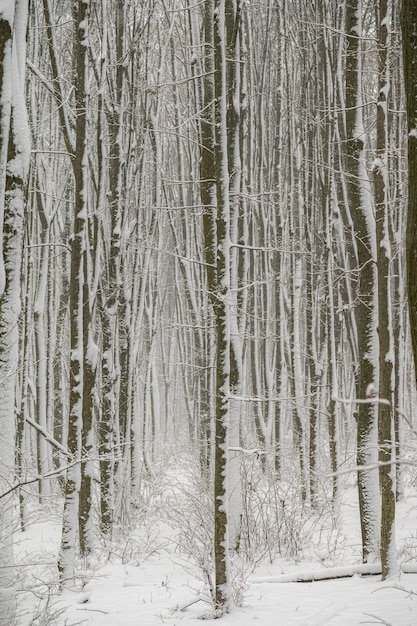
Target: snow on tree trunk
x=14 y=155
x=233 y=122
x=77 y=515
x=208 y=188
x=217 y=230
x=234 y=487
x=112 y=314
x=364 y=231
x=297 y=374
x=41 y=350
x=386 y=433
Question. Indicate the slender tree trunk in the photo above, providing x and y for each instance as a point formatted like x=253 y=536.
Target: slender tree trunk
x=208 y=198
x=79 y=420
x=386 y=434
x=217 y=235
x=222 y=403
x=409 y=47
x=112 y=315
x=41 y=346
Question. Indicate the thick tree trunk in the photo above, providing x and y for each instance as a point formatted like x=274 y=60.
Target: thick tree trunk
x=364 y=231
x=14 y=161
x=7 y=351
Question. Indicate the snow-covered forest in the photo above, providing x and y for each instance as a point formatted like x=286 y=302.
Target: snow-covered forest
x=208 y=311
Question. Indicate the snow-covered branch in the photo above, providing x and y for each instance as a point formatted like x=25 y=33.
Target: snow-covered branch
x=49 y=438
x=34 y=479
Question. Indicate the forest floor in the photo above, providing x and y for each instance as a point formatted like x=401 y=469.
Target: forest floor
x=146 y=582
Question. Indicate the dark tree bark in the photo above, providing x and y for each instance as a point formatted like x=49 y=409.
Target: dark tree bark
x=207 y=192
x=221 y=30
x=364 y=229
x=409 y=46
x=77 y=507
x=386 y=345
x=220 y=291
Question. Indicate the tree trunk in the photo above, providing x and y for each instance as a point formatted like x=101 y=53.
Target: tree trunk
x=386 y=435
x=364 y=230
x=218 y=254
x=77 y=515
x=14 y=161
x=409 y=46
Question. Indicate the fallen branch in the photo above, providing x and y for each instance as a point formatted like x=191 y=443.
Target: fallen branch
x=332 y=573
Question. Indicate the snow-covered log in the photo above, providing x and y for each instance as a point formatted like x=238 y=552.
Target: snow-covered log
x=331 y=573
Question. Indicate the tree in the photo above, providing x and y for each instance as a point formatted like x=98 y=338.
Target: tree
x=111 y=288
x=409 y=48
x=78 y=505
x=220 y=293
x=217 y=232
x=385 y=335
x=14 y=164
x=359 y=198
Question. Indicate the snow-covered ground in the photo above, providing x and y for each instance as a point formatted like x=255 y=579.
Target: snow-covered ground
x=163 y=586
